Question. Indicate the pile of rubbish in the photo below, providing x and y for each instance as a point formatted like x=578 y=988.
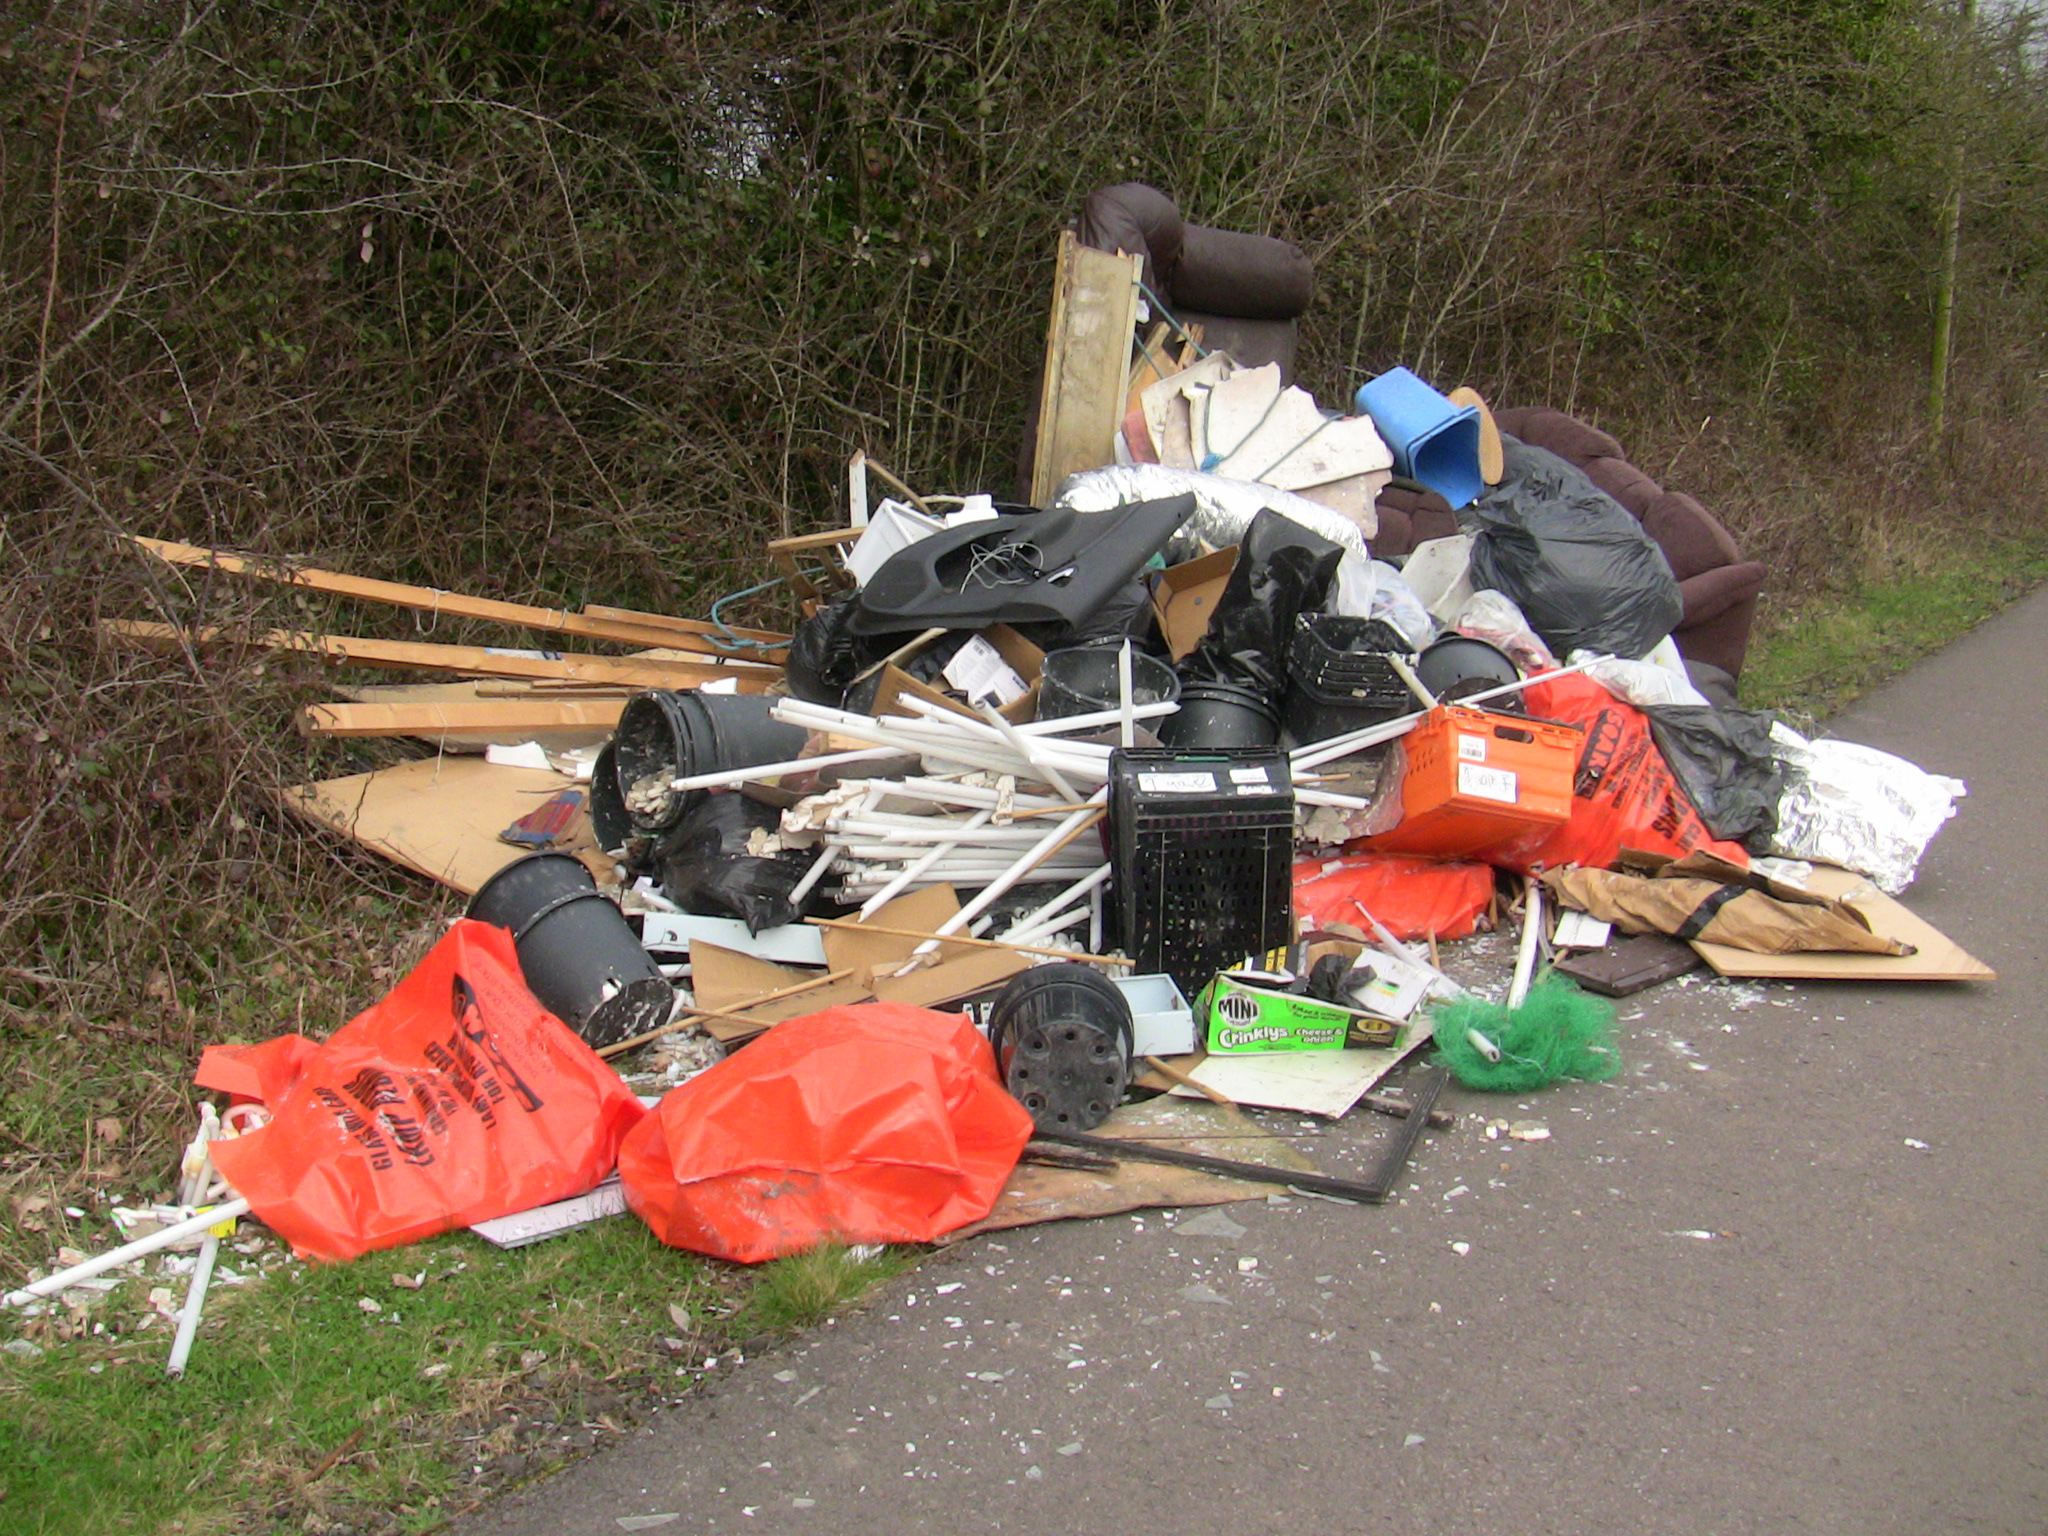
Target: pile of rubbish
x=1039 y=820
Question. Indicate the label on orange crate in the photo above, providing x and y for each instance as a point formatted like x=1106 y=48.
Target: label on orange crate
x=1483 y=783
x=1472 y=748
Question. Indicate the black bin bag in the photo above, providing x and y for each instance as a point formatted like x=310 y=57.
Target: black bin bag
x=1283 y=569
x=1571 y=557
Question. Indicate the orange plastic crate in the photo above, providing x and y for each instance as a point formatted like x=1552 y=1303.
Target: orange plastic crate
x=1474 y=780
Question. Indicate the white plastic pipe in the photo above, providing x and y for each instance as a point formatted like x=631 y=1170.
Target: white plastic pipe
x=1126 y=730
x=915 y=871
x=1068 y=827
x=1525 y=956
x=1053 y=914
x=728 y=776
x=195 y=1300
x=820 y=867
x=1039 y=757
x=177 y=1232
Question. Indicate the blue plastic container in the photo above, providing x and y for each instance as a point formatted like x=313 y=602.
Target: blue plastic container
x=1432 y=440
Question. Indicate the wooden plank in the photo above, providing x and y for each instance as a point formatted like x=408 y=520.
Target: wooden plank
x=432 y=600
x=410 y=655
x=497 y=717
x=1087 y=362
x=440 y=816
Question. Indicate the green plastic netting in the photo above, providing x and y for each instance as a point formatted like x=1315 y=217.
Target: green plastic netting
x=1559 y=1031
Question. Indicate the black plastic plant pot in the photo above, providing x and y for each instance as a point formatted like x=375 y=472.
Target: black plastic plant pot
x=1220 y=715
x=576 y=950
x=1454 y=666
x=1082 y=680
x=667 y=734
x=1062 y=1038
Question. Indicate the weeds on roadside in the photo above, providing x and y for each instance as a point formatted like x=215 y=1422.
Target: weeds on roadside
x=789 y=1295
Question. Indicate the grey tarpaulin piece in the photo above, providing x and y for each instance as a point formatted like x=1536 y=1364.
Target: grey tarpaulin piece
x=1572 y=558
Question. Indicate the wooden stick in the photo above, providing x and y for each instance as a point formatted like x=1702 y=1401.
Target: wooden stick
x=959 y=938
x=691 y=1015
x=911 y=496
x=429 y=599
x=407 y=655
x=719 y=632
x=1174 y=1074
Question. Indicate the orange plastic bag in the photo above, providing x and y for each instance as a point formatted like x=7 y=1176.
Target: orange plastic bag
x=1624 y=795
x=870 y=1123
x=455 y=1099
x=1414 y=897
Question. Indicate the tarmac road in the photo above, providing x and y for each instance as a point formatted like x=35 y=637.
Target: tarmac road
x=1784 y=1275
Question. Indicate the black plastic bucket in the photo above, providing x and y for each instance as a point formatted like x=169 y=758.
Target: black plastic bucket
x=1082 y=680
x=608 y=818
x=1220 y=715
x=576 y=949
x=667 y=734
x=1062 y=1038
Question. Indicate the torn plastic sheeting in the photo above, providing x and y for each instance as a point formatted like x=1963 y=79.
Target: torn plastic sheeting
x=874 y=1123
x=706 y=867
x=455 y=1099
x=1724 y=761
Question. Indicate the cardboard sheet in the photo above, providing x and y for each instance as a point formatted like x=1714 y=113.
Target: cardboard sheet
x=440 y=816
x=729 y=981
x=1936 y=958
x=1325 y=1083
x=1035 y=1193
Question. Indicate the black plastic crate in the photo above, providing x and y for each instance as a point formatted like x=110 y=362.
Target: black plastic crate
x=1338 y=677
x=1202 y=852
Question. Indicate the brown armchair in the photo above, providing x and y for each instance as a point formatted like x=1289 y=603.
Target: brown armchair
x=1244 y=291
x=1716 y=585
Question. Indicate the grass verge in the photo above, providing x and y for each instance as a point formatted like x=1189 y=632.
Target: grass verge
x=382 y=1395
x=1816 y=653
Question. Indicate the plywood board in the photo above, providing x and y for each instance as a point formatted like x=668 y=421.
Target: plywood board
x=1936 y=957
x=1087 y=362
x=962 y=970
x=440 y=816
x=729 y=981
